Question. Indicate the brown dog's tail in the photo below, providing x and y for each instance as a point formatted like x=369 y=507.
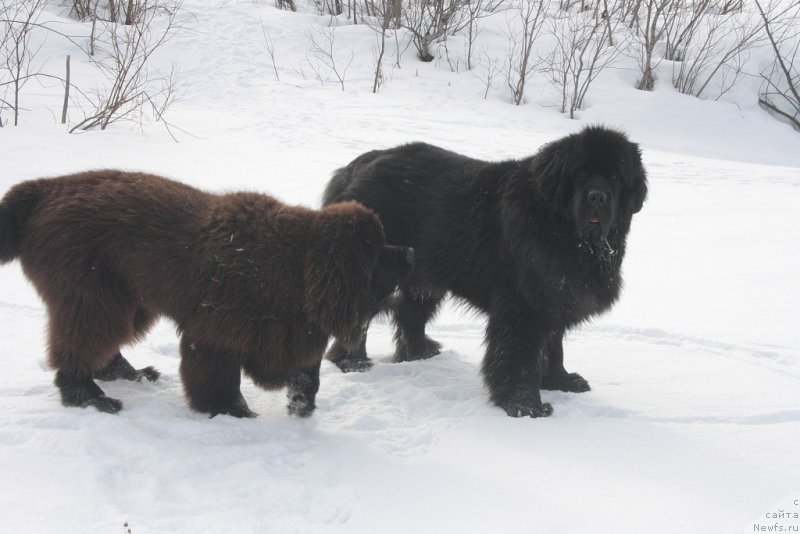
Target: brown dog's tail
x=15 y=208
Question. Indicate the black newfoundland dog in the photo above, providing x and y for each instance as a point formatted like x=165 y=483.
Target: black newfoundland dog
x=536 y=244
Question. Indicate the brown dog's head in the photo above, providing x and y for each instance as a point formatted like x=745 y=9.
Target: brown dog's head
x=349 y=270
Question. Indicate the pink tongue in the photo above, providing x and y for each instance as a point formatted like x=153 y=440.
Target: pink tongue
x=594 y=220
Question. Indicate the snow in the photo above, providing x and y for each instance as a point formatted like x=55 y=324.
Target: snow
x=693 y=421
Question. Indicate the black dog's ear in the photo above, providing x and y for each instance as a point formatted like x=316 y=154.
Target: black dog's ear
x=549 y=171
x=338 y=268
x=639 y=196
x=548 y=167
x=639 y=178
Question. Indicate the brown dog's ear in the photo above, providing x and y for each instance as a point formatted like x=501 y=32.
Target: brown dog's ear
x=394 y=264
x=338 y=269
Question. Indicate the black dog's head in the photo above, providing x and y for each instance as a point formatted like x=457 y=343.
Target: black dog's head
x=597 y=177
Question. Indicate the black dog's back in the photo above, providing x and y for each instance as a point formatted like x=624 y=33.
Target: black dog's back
x=404 y=173
x=417 y=189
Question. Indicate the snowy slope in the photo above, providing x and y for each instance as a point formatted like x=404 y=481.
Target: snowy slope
x=693 y=422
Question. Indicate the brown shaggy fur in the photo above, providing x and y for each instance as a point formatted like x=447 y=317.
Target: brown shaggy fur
x=252 y=284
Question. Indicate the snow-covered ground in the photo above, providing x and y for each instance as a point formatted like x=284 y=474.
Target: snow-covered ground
x=693 y=422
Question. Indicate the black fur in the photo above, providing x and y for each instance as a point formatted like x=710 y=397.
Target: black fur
x=536 y=244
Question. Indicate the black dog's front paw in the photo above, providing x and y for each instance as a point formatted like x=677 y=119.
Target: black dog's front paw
x=516 y=409
x=569 y=382
x=353 y=365
x=526 y=403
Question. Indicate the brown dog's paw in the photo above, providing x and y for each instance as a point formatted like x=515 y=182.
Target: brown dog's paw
x=149 y=372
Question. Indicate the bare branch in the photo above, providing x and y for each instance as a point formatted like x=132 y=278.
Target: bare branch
x=780 y=91
x=134 y=91
x=522 y=33
x=323 y=51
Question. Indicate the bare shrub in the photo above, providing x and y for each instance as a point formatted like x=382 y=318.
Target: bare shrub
x=381 y=16
x=780 y=89
x=18 y=20
x=685 y=19
x=326 y=7
x=487 y=70
x=658 y=18
x=325 y=58
x=432 y=20
x=269 y=44
x=134 y=91
x=729 y=6
x=83 y=9
x=716 y=52
x=579 y=55
x=474 y=11
x=384 y=14
x=522 y=33
x=286 y=4
x=669 y=23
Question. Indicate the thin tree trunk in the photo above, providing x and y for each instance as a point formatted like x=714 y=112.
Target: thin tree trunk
x=379 y=63
x=66 y=96
x=16 y=101
x=607 y=16
x=112 y=11
x=94 y=28
x=129 y=15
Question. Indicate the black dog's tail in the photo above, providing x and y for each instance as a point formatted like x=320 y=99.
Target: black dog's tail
x=15 y=208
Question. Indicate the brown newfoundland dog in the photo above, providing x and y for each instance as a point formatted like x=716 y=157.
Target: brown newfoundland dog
x=252 y=284
x=536 y=244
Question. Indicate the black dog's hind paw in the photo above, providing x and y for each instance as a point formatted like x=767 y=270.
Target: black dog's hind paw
x=349 y=361
x=569 y=382
x=406 y=352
